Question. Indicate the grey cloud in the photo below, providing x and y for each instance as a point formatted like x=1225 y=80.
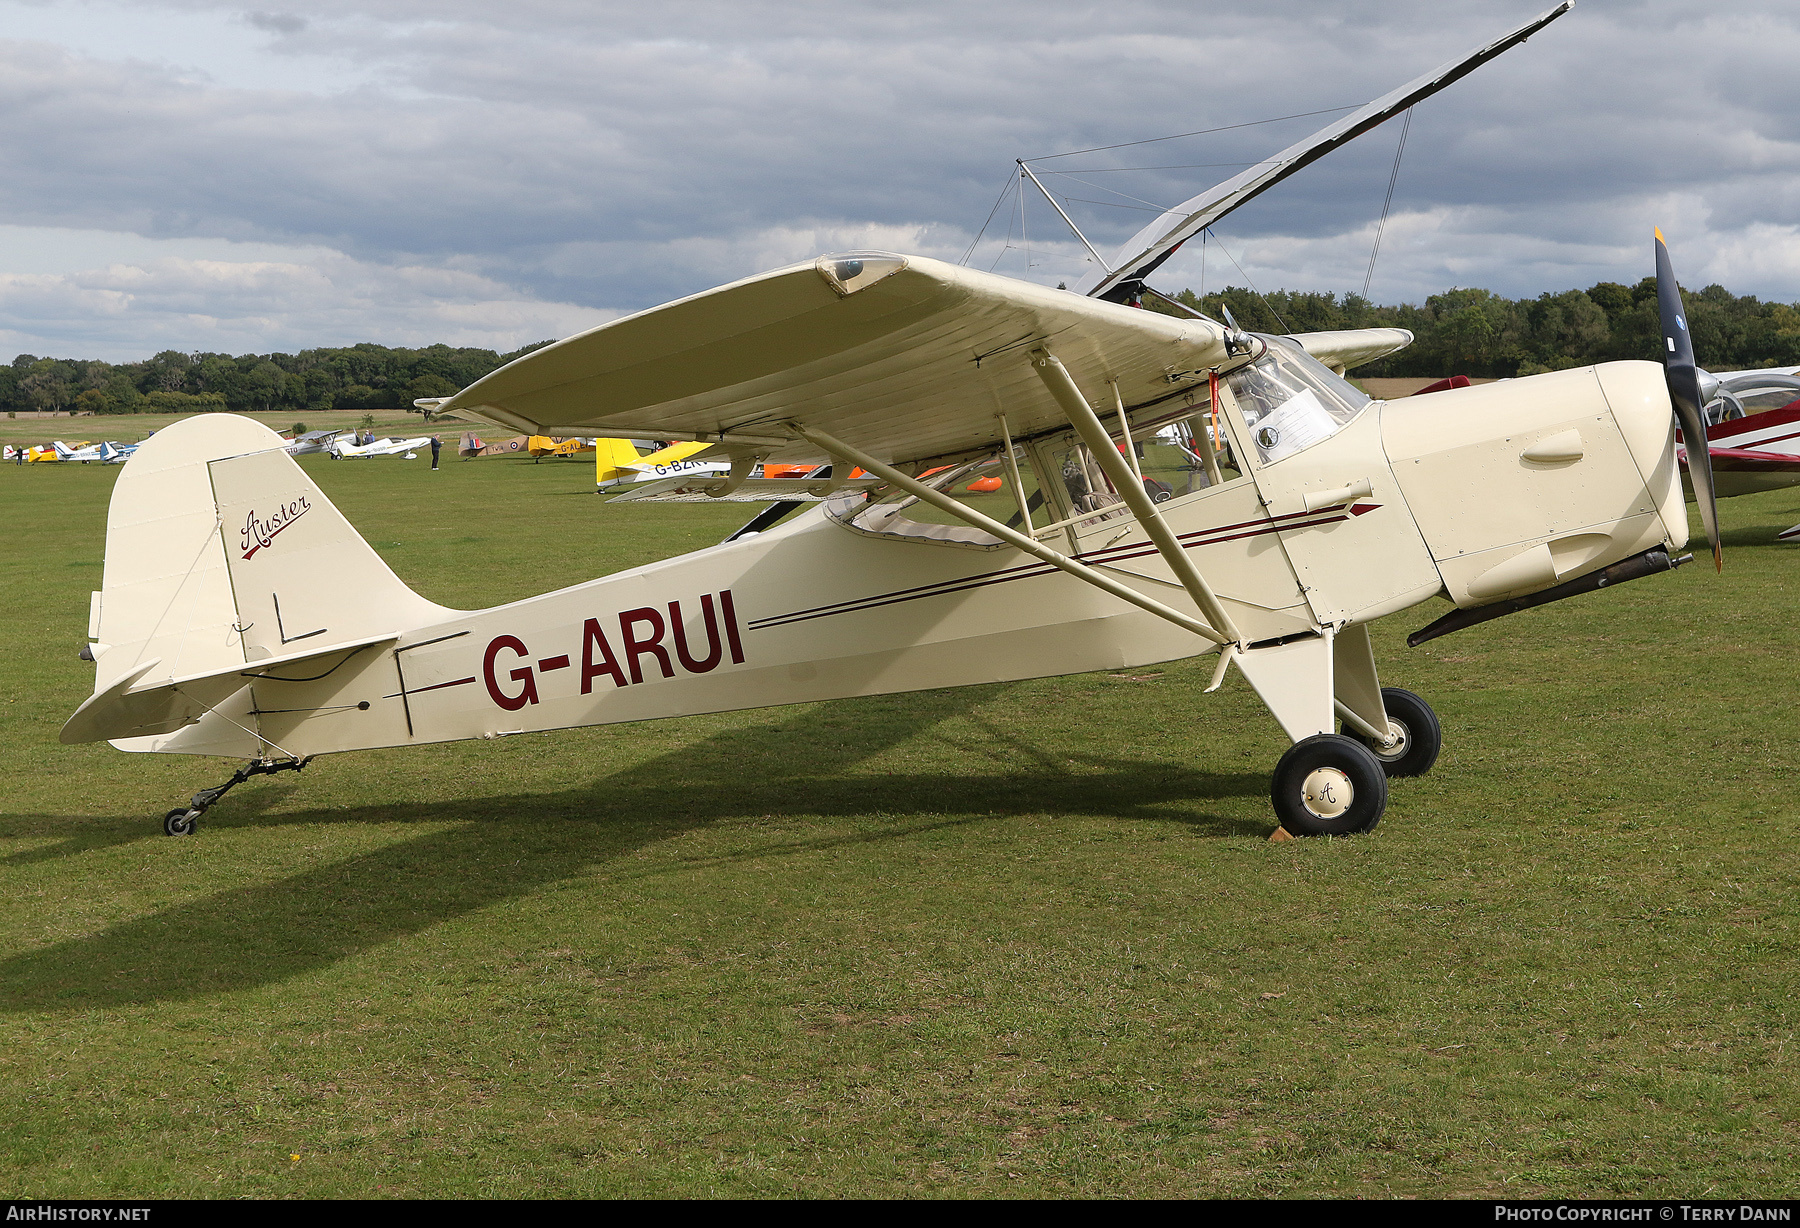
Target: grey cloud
x=615 y=155
x=125 y=311
x=277 y=23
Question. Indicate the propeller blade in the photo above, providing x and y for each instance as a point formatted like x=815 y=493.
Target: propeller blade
x=1683 y=379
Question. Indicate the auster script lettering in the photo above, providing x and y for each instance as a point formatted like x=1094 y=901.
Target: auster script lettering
x=259 y=531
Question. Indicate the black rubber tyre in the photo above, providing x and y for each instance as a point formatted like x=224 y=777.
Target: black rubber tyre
x=180 y=822
x=1421 y=737
x=1328 y=785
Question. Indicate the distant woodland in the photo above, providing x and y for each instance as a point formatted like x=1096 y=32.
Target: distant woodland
x=1460 y=332
x=1478 y=333
x=362 y=376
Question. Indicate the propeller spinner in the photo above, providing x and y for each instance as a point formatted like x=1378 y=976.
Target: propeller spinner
x=1683 y=379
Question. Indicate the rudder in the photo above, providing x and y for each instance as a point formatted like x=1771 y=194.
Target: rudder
x=220 y=550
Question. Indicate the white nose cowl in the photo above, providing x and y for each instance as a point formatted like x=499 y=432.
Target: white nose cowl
x=1639 y=399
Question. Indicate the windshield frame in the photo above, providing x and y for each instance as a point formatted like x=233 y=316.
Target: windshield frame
x=1318 y=405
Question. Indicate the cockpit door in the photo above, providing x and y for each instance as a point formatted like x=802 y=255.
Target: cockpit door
x=1313 y=442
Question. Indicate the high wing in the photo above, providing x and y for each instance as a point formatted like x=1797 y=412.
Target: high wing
x=1155 y=243
x=905 y=357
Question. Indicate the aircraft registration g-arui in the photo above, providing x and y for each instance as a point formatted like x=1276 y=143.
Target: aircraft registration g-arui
x=1165 y=487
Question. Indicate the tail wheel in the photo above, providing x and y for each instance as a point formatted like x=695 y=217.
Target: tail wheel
x=1420 y=735
x=1329 y=785
x=180 y=822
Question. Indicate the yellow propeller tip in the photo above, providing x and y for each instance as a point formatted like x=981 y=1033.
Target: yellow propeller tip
x=1659 y=237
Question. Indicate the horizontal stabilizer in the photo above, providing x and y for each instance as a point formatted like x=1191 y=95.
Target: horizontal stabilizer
x=127 y=709
x=751 y=490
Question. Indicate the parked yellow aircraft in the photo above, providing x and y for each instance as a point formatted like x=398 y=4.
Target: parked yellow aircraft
x=616 y=462
x=543 y=445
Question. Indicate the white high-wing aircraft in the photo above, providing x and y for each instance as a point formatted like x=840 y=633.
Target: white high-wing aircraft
x=1007 y=529
x=108 y=453
x=405 y=448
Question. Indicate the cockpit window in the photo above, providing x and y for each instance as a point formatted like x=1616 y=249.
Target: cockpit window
x=984 y=485
x=1290 y=400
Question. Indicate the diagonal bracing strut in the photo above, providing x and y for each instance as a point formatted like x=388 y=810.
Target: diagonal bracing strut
x=1129 y=487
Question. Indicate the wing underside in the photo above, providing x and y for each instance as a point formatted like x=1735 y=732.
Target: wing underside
x=920 y=361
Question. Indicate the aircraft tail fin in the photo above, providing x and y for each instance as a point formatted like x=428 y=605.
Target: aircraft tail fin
x=610 y=458
x=221 y=551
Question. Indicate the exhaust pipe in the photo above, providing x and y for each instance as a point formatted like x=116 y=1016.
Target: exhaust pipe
x=1648 y=563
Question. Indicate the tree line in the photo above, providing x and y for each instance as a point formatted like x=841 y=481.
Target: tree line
x=1479 y=333
x=1460 y=332
x=365 y=376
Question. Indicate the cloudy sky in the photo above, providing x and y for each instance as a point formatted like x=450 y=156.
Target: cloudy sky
x=200 y=176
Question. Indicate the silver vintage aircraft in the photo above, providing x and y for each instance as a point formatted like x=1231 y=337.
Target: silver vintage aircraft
x=1053 y=482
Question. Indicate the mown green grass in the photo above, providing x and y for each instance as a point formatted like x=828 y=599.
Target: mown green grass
x=1022 y=940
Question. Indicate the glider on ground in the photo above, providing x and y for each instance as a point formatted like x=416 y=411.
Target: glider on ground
x=241 y=615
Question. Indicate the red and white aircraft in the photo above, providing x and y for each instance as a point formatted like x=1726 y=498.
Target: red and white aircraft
x=1753 y=432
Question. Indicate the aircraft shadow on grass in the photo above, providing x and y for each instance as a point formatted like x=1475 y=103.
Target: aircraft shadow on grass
x=510 y=845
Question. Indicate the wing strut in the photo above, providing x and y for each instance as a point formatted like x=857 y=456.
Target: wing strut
x=844 y=453
x=1130 y=487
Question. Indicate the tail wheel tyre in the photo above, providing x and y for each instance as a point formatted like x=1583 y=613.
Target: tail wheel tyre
x=1420 y=735
x=180 y=822
x=1329 y=785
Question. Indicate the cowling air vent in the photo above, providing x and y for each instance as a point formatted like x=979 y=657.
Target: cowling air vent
x=848 y=272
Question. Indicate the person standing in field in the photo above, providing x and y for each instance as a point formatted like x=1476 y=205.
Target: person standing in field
x=436 y=446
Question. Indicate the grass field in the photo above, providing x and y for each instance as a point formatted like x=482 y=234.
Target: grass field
x=1020 y=940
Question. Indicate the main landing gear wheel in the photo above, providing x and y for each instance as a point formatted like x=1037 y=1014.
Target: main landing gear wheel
x=1420 y=736
x=180 y=821
x=1329 y=785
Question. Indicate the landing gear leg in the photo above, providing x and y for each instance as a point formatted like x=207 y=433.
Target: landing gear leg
x=182 y=820
x=1418 y=737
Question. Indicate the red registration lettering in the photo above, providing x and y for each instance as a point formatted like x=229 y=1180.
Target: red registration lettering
x=528 y=693
x=635 y=648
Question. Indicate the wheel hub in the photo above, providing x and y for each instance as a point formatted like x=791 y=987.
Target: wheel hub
x=1402 y=740
x=1327 y=792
